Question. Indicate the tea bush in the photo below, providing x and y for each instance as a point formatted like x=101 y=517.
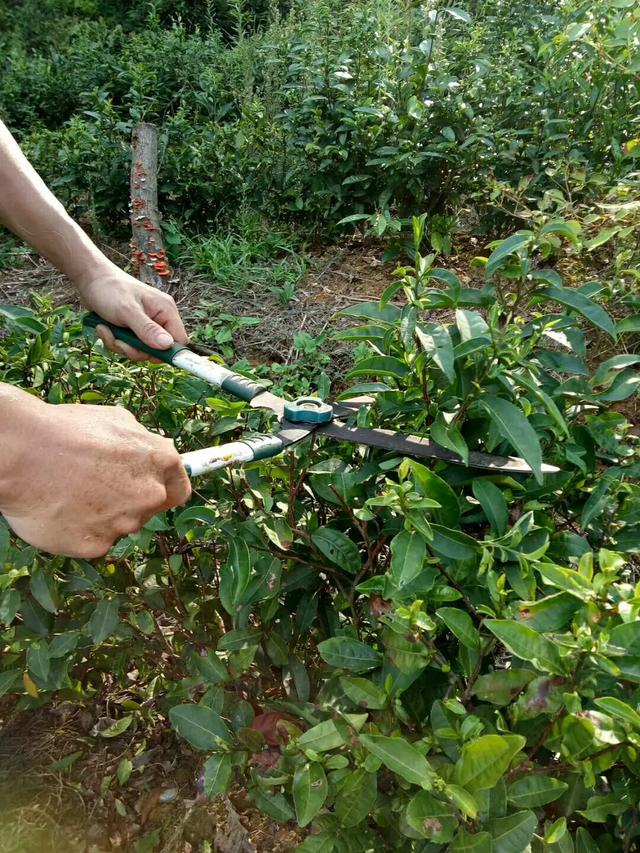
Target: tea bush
x=394 y=654
x=373 y=109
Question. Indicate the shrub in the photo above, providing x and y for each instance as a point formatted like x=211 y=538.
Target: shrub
x=375 y=108
x=399 y=655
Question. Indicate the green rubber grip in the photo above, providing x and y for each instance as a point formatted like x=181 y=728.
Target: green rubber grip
x=241 y=387
x=120 y=333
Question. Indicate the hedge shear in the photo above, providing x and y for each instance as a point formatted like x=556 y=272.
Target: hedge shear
x=298 y=419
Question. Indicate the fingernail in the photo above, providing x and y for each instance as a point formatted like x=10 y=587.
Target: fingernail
x=164 y=340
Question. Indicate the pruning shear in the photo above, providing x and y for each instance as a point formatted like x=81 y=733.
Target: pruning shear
x=298 y=419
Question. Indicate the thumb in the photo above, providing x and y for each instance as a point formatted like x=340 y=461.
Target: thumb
x=148 y=330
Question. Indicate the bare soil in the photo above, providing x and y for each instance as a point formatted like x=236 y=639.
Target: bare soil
x=46 y=807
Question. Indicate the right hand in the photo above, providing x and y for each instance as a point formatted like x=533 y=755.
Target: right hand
x=82 y=476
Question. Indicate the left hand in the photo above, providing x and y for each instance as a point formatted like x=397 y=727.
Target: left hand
x=125 y=301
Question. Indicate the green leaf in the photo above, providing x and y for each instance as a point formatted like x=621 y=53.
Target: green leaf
x=627 y=636
x=38 y=661
x=513 y=834
x=338 y=548
x=437 y=344
x=479 y=843
x=363 y=692
x=575 y=31
x=623 y=386
x=346 y=653
x=211 y=668
x=493 y=504
x=546 y=401
x=324 y=842
x=502 y=686
x=461 y=626
x=562 y=228
x=372 y=311
x=453 y=543
x=9 y=679
x=274 y=805
x=599 y=809
x=239 y=638
x=124 y=771
x=512 y=424
x=408 y=553
x=9 y=605
x=184 y=521
x=584 y=842
x=119 y=727
x=458 y=13
x=471 y=325
x=431 y=818
x=379 y=365
x=149 y=843
x=629 y=325
x=202 y=727
x=401 y=757
x=535 y=790
x=356 y=796
x=354 y=217
x=449 y=436
x=432 y=486
x=525 y=643
x=553 y=613
x=618 y=708
x=484 y=760
x=310 y=789
x=240 y=562
x=104 y=619
x=42 y=590
x=556 y=831
x=507 y=247
x=217 y=774
x=65 y=762
x=322 y=737
x=584 y=306
x=463 y=801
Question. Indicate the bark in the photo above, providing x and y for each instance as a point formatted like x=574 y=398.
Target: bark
x=149 y=256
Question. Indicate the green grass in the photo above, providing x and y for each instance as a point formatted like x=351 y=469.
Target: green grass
x=251 y=253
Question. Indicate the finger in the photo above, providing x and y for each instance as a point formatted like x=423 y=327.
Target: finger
x=178 y=485
x=163 y=310
x=107 y=337
x=148 y=330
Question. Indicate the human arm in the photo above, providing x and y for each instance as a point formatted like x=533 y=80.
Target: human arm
x=32 y=212
x=74 y=478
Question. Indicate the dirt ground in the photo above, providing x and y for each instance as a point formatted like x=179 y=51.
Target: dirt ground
x=60 y=791
x=337 y=278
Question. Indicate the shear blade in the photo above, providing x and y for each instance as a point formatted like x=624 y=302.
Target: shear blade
x=412 y=445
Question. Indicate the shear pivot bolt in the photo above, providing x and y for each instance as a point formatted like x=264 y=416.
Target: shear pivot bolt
x=308 y=410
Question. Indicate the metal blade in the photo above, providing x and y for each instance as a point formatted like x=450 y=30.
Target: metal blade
x=412 y=445
x=267 y=400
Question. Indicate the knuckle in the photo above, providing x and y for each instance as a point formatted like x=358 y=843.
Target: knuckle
x=92 y=550
x=156 y=498
x=128 y=525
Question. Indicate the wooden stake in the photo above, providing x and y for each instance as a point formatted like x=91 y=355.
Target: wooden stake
x=149 y=256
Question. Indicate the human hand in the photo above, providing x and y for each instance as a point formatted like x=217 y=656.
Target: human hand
x=81 y=476
x=125 y=301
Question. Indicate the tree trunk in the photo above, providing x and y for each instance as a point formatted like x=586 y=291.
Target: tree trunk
x=149 y=255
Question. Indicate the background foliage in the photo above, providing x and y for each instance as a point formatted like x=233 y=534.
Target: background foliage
x=384 y=108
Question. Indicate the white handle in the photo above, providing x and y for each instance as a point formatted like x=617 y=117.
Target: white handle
x=210 y=459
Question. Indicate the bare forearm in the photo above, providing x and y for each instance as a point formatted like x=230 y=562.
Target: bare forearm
x=32 y=212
